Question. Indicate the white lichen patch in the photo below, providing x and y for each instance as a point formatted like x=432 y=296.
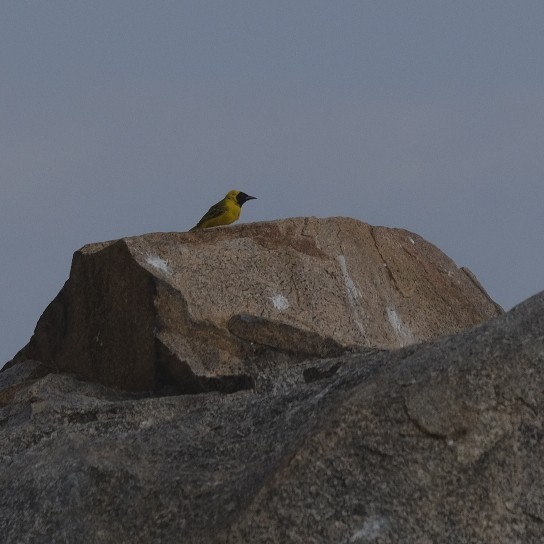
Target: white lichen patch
x=411 y=240
x=147 y=423
x=280 y=302
x=160 y=264
x=404 y=334
x=352 y=292
x=374 y=527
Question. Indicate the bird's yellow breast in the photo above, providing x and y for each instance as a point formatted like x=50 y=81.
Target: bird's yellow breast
x=229 y=214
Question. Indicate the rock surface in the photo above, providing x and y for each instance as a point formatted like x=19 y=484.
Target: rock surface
x=199 y=311
x=436 y=443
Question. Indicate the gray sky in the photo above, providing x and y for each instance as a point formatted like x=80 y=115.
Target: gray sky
x=125 y=117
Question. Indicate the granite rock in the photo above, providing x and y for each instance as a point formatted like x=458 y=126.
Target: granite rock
x=199 y=311
x=437 y=442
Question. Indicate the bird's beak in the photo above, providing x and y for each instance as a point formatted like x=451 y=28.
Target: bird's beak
x=242 y=197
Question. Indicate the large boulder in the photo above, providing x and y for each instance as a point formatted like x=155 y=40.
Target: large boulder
x=199 y=311
x=437 y=442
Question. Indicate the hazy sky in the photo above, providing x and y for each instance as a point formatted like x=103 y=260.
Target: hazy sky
x=125 y=117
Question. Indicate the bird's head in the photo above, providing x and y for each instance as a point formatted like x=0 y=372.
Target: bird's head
x=239 y=197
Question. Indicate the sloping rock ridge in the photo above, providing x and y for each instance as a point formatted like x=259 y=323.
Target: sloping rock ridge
x=437 y=442
x=199 y=311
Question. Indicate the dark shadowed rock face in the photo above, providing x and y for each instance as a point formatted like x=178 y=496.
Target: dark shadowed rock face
x=195 y=312
x=436 y=443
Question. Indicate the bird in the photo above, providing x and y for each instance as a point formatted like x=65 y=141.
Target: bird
x=225 y=212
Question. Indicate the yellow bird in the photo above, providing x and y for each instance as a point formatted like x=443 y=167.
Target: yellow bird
x=225 y=211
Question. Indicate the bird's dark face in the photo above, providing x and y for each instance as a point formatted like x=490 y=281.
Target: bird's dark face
x=242 y=197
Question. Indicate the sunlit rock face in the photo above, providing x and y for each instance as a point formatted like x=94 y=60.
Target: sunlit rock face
x=205 y=310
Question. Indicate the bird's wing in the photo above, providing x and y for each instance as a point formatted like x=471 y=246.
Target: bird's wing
x=215 y=211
